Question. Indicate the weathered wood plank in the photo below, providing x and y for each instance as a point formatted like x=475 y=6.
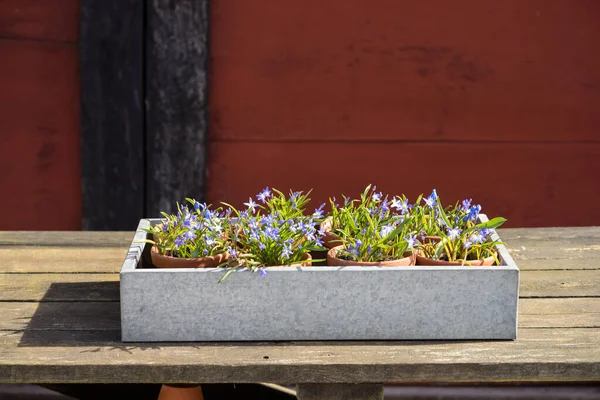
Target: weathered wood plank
x=549 y=307
x=177 y=102
x=560 y=355
x=554 y=248
x=559 y=283
x=55 y=259
x=59 y=287
x=559 y=168
x=60 y=316
x=559 y=313
x=100 y=286
x=112 y=134
x=532 y=248
x=39 y=19
x=72 y=238
x=92 y=316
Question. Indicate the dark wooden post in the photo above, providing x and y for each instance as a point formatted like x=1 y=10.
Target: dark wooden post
x=176 y=102
x=112 y=119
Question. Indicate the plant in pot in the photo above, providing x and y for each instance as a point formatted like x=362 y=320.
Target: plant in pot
x=193 y=238
x=350 y=216
x=455 y=237
x=369 y=233
x=272 y=232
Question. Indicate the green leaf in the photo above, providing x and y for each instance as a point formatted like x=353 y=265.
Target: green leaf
x=491 y=224
x=227 y=274
x=443 y=213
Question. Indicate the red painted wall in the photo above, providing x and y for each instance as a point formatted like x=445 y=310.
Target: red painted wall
x=39 y=115
x=495 y=100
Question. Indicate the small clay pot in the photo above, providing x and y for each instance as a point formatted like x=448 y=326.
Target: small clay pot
x=470 y=263
x=162 y=261
x=333 y=260
x=431 y=239
x=180 y=392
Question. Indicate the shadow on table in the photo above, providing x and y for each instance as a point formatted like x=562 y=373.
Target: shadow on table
x=87 y=314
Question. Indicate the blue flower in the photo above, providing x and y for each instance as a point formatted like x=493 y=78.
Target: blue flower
x=266 y=220
x=262 y=272
x=262 y=246
x=189 y=221
x=319 y=212
x=473 y=213
x=318 y=241
x=477 y=238
x=377 y=196
x=466 y=204
x=209 y=240
x=431 y=201
x=264 y=195
x=189 y=235
x=272 y=232
x=454 y=233
x=205 y=251
x=180 y=241
x=467 y=244
x=401 y=205
x=251 y=205
x=386 y=230
x=233 y=252
x=411 y=240
x=198 y=205
x=287 y=252
x=385 y=205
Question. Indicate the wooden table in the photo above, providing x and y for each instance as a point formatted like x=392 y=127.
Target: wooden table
x=59 y=308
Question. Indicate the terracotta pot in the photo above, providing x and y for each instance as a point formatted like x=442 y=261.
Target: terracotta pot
x=471 y=263
x=161 y=261
x=333 y=260
x=431 y=239
x=180 y=392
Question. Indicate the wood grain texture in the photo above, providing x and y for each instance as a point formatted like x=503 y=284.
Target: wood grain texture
x=54 y=259
x=67 y=239
x=55 y=287
x=539 y=355
x=176 y=102
x=112 y=126
x=547 y=175
x=326 y=73
x=93 y=252
x=94 y=316
x=71 y=287
x=60 y=316
x=559 y=283
x=103 y=252
x=555 y=248
x=55 y=20
x=39 y=119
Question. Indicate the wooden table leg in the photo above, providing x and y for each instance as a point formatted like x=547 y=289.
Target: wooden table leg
x=340 y=391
